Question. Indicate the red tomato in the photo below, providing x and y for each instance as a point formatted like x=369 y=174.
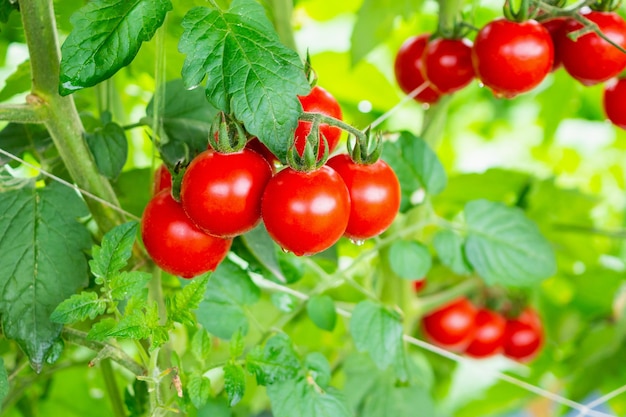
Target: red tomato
x=451 y=326
x=615 y=102
x=306 y=212
x=409 y=69
x=590 y=59
x=419 y=285
x=447 y=64
x=319 y=101
x=257 y=146
x=555 y=26
x=221 y=193
x=511 y=57
x=162 y=179
x=488 y=336
x=523 y=336
x=374 y=195
x=174 y=243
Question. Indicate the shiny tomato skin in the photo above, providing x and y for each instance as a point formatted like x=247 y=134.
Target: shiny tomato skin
x=590 y=59
x=555 y=27
x=174 y=243
x=257 y=146
x=374 y=195
x=614 y=101
x=221 y=193
x=451 y=326
x=447 y=64
x=488 y=336
x=319 y=101
x=306 y=212
x=162 y=179
x=512 y=58
x=523 y=336
x=409 y=69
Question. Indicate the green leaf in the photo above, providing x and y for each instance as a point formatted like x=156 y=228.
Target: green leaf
x=109 y=147
x=321 y=310
x=101 y=329
x=237 y=345
x=215 y=407
x=234 y=383
x=276 y=361
x=416 y=166
x=107 y=35
x=134 y=189
x=127 y=284
x=199 y=389
x=6 y=7
x=79 y=307
x=248 y=70
x=449 y=247
x=185 y=301
x=284 y=302
x=201 y=345
x=376 y=330
x=137 y=401
x=18 y=82
x=261 y=245
x=318 y=368
x=505 y=247
x=409 y=260
x=114 y=251
x=43 y=262
x=186 y=118
x=17 y=138
x=4 y=381
x=230 y=291
x=300 y=399
x=137 y=321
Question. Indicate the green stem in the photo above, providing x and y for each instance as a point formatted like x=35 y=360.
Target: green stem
x=435 y=121
x=282 y=11
x=331 y=121
x=62 y=121
x=448 y=15
x=432 y=302
x=574 y=228
x=23 y=113
x=112 y=388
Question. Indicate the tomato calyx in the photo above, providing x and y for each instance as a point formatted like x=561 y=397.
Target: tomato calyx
x=227 y=135
x=309 y=161
x=524 y=12
x=365 y=148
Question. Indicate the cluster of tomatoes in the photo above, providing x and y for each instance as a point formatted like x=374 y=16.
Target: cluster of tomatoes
x=305 y=209
x=480 y=332
x=512 y=57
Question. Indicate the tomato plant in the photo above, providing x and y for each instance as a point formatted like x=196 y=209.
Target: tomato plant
x=523 y=336
x=453 y=325
x=409 y=69
x=447 y=64
x=489 y=334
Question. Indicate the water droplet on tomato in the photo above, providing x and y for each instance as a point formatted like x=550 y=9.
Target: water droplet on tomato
x=425 y=106
x=358 y=242
x=481 y=85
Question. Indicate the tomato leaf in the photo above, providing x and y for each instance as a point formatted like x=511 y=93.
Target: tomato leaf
x=299 y=398
x=248 y=70
x=127 y=284
x=6 y=7
x=284 y=302
x=318 y=368
x=180 y=306
x=416 y=166
x=409 y=260
x=199 y=389
x=17 y=138
x=504 y=246
x=114 y=251
x=321 y=310
x=234 y=383
x=276 y=361
x=109 y=147
x=201 y=345
x=237 y=345
x=18 y=82
x=230 y=290
x=133 y=189
x=186 y=119
x=100 y=330
x=376 y=330
x=79 y=307
x=4 y=381
x=43 y=262
x=449 y=247
x=263 y=248
x=107 y=35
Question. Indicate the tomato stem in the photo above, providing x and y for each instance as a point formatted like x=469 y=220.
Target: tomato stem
x=432 y=302
x=282 y=11
x=331 y=121
x=112 y=389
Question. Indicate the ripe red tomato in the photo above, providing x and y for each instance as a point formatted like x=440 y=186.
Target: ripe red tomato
x=374 y=195
x=447 y=64
x=523 y=336
x=511 y=57
x=221 y=193
x=590 y=59
x=615 y=101
x=306 y=212
x=257 y=146
x=451 y=326
x=162 y=179
x=174 y=243
x=319 y=101
x=419 y=285
x=555 y=27
x=488 y=336
x=409 y=69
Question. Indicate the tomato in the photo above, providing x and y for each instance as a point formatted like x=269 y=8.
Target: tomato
x=555 y=27
x=511 y=57
x=257 y=146
x=447 y=64
x=221 y=193
x=451 y=326
x=419 y=285
x=374 y=195
x=590 y=59
x=409 y=69
x=306 y=212
x=162 y=179
x=319 y=101
x=615 y=102
x=174 y=243
x=488 y=336
x=523 y=336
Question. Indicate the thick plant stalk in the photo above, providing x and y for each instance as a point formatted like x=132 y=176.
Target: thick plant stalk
x=60 y=115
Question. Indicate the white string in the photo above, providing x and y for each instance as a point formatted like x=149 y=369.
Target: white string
x=602 y=400
x=69 y=184
x=401 y=103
